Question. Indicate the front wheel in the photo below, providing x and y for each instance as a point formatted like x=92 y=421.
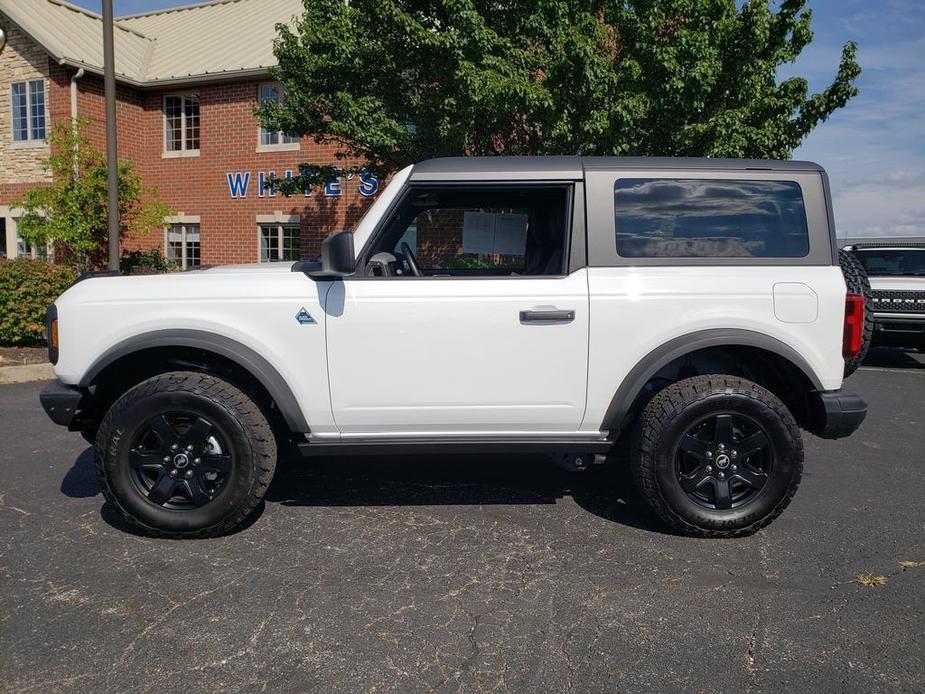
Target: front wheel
x=717 y=456
x=185 y=454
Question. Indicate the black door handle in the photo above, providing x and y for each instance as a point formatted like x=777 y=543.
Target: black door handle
x=547 y=316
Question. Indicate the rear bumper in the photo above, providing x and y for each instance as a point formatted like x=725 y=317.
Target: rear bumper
x=60 y=402
x=839 y=414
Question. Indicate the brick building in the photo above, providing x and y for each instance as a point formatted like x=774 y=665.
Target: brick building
x=189 y=80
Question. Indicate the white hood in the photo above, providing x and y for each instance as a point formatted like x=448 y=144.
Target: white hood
x=252 y=267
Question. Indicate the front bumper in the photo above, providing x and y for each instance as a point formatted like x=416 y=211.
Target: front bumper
x=838 y=414
x=899 y=330
x=60 y=402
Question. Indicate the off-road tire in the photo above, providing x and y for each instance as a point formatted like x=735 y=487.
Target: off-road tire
x=857 y=282
x=665 y=420
x=251 y=438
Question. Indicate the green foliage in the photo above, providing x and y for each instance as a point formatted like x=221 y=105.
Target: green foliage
x=73 y=210
x=396 y=82
x=27 y=287
x=466 y=262
x=147 y=263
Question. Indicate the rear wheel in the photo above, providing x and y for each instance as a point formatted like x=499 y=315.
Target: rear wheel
x=717 y=456
x=857 y=283
x=185 y=455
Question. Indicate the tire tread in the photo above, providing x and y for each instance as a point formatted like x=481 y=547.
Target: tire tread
x=666 y=406
x=858 y=283
x=236 y=403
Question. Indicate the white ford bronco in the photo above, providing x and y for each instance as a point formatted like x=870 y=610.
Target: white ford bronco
x=557 y=305
x=896 y=270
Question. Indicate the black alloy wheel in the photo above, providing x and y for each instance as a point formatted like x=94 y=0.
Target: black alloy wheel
x=717 y=456
x=185 y=454
x=724 y=461
x=180 y=460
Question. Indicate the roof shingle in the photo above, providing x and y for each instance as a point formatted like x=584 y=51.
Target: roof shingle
x=217 y=39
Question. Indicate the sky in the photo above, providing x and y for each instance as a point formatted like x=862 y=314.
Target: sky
x=874 y=148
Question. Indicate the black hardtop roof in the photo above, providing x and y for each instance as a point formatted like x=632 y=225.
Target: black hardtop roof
x=572 y=167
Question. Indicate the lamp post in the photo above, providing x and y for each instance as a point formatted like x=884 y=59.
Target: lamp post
x=112 y=154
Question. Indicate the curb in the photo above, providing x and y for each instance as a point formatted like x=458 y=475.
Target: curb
x=26 y=373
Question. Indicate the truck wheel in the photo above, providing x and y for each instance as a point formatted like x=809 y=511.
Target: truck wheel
x=857 y=282
x=185 y=454
x=717 y=456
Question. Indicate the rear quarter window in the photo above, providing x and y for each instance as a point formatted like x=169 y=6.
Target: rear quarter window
x=707 y=218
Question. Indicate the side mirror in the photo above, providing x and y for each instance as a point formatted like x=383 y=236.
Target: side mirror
x=337 y=258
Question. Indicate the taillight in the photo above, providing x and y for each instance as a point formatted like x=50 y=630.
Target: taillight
x=854 y=326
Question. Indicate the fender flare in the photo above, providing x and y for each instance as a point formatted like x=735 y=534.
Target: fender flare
x=661 y=356
x=243 y=356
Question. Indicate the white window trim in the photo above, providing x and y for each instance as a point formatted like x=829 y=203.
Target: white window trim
x=29 y=142
x=280 y=146
x=182 y=220
x=182 y=152
x=279 y=220
x=283 y=147
x=12 y=215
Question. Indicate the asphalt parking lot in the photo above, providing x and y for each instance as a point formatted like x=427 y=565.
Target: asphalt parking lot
x=455 y=574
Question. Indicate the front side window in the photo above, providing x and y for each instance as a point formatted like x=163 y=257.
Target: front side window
x=183 y=245
x=704 y=218
x=480 y=232
x=279 y=242
x=28 y=110
x=272 y=91
x=181 y=123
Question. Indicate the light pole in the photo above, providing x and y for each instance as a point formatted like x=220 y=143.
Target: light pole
x=112 y=153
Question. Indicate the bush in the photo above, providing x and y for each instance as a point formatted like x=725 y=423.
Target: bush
x=27 y=287
x=147 y=263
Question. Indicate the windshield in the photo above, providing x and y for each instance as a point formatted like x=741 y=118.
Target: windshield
x=910 y=262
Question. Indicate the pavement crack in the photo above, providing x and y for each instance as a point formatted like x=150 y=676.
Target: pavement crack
x=176 y=606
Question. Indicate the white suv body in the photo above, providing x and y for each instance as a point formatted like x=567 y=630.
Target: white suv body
x=896 y=270
x=513 y=324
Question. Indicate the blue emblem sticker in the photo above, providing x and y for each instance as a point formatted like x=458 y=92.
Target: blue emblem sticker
x=304 y=317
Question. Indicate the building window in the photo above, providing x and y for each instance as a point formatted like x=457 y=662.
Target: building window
x=28 y=107
x=272 y=91
x=24 y=249
x=182 y=245
x=181 y=123
x=279 y=242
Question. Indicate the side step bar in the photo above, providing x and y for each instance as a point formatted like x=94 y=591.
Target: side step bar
x=450 y=445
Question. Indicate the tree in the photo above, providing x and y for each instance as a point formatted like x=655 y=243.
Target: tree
x=397 y=81
x=72 y=211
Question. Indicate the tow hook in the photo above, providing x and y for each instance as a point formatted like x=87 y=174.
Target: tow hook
x=579 y=462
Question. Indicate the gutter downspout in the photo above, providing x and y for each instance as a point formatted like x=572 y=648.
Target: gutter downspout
x=76 y=76
x=74 y=116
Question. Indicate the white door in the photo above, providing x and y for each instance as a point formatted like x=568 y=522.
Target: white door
x=481 y=343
